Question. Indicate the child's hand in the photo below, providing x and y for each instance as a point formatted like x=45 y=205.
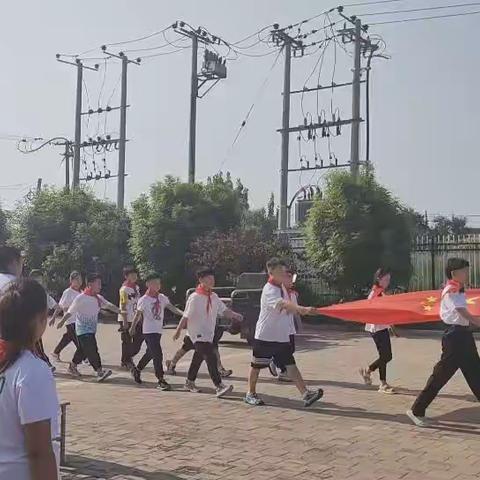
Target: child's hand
x=176 y=335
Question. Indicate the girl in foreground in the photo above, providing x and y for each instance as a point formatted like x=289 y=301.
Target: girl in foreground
x=28 y=398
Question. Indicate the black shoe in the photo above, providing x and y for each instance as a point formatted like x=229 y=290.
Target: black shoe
x=163 y=385
x=136 y=375
x=311 y=397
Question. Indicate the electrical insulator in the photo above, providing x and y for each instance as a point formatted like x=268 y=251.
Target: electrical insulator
x=308 y=164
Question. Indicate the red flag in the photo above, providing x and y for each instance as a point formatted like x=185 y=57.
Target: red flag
x=405 y=308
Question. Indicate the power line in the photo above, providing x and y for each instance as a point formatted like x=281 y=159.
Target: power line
x=371 y=3
x=425 y=9
x=433 y=17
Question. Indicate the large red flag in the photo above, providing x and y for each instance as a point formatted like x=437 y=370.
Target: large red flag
x=405 y=308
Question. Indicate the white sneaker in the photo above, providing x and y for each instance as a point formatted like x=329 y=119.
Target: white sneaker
x=102 y=375
x=273 y=369
x=191 y=387
x=283 y=377
x=365 y=374
x=223 y=390
x=421 y=422
x=55 y=356
x=386 y=389
x=73 y=370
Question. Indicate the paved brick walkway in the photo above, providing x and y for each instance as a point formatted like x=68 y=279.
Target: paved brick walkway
x=120 y=431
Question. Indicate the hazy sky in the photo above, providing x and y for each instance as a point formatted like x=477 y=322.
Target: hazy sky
x=425 y=99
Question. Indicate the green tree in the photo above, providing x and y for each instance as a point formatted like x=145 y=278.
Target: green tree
x=353 y=229
x=265 y=220
x=61 y=231
x=173 y=214
x=3 y=227
x=449 y=226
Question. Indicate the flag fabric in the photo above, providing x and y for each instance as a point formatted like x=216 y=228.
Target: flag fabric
x=402 y=309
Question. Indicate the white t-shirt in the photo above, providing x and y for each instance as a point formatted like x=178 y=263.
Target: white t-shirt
x=5 y=280
x=448 y=307
x=27 y=395
x=371 y=327
x=153 y=312
x=201 y=319
x=85 y=308
x=294 y=299
x=68 y=296
x=274 y=324
x=128 y=301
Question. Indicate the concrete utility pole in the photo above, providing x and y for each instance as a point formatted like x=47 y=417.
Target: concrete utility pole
x=355 y=130
x=66 y=157
x=193 y=112
x=213 y=69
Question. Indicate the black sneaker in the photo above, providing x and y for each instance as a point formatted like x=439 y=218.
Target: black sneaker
x=136 y=375
x=163 y=385
x=312 y=396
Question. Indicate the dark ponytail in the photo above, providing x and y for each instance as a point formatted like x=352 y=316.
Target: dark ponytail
x=20 y=305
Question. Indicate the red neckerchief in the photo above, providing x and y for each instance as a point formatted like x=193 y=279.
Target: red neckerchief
x=271 y=281
x=156 y=305
x=377 y=291
x=5 y=350
x=201 y=290
x=453 y=286
x=88 y=291
x=131 y=285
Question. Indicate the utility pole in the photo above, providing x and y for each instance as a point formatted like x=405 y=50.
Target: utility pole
x=66 y=157
x=213 y=69
x=123 y=125
x=355 y=131
x=78 y=116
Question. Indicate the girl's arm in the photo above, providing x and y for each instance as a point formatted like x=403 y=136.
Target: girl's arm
x=38 y=442
x=61 y=323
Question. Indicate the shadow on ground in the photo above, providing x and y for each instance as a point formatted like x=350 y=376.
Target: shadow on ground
x=92 y=468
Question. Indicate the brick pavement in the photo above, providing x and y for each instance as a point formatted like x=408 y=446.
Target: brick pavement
x=119 y=431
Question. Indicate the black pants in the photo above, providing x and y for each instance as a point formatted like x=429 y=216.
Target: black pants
x=384 y=347
x=68 y=336
x=204 y=351
x=154 y=351
x=131 y=345
x=41 y=352
x=458 y=352
x=283 y=368
x=88 y=348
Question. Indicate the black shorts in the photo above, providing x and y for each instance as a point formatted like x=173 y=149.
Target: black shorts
x=187 y=344
x=264 y=352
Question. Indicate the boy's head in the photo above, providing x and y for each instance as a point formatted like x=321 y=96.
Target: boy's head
x=382 y=277
x=457 y=269
x=130 y=274
x=76 y=280
x=290 y=278
x=153 y=282
x=206 y=277
x=11 y=261
x=38 y=276
x=277 y=269
x=94 y=281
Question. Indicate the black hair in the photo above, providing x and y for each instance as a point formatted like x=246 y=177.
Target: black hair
x=7 y=256
x=152 y=276
x=274 y=263
x=19 y=306
x=379 y=274
x=291 y=270
x=92 y=277
x=205 y=272
x=36 y=273
x=128 y=270
x=454 y=264
x=74 y=275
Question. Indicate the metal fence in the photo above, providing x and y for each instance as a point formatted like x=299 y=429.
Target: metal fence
x=430 y=254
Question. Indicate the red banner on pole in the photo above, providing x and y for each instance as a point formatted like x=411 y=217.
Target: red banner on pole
x=402 y=309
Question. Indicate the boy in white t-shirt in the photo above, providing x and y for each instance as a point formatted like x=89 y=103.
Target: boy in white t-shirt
x=85 y=308
x=458 y=344
x=200 y=318
x=272 y=335
x=29 y=407
x=150 y=311
x=129 y=294
x=68 y=296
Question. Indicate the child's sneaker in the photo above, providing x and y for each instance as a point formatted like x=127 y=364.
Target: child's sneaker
x=365 y=374
x=191 y=387
x=102 y=375
x=55 y=356
x=312 y=396
x=252 y=399
x=224 y=373
x=418 y=421
x=273 y=369
x=170 y=368
x=163 y=385
x=73 y=370
x=283 y=377
x=387 y=389
x=136 y=375
x=223 y=390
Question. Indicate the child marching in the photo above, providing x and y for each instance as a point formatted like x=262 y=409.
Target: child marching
x=458 y=344
x=150 y=312
x=200 y=318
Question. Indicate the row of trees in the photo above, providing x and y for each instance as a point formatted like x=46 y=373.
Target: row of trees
x=355 y=226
